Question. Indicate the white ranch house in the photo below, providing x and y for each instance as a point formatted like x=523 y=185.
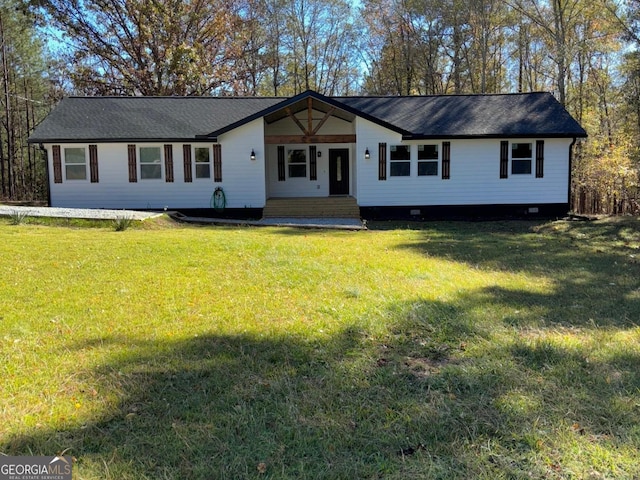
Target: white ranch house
x=389 y=155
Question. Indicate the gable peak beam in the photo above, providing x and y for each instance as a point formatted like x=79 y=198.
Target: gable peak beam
x=324 y=119
x=295 y=119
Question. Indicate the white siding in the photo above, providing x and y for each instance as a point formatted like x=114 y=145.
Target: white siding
x=242 y=179
x=475 y=172
x=303 y=187
x=475 y=168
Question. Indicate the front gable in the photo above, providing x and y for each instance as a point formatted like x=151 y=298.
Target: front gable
x=309 y=128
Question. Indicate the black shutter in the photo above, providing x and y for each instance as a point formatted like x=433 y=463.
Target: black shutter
x=186 y=160
x=504 y=159
x=217 y=162
x=313 y=166
x=382 y=161
x=133 y=169
x=446 y=160
x=539 y=158
x=281 y=166
x=57 y=164
x=93 y=163
x=168 y=163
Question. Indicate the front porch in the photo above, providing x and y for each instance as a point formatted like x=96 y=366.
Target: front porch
x=312 y=207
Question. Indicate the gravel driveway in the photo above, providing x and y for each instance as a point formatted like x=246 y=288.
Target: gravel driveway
x=90 y=213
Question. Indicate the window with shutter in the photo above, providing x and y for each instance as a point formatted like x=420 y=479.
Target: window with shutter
x=297 y=162
x=203 y=162
x=521 y=155
x=150 y=163
x=400 y=161
x=75 y=163
x=427 y=160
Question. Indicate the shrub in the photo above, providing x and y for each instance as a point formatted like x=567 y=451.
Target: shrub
x=120 y=224
x=17 y=217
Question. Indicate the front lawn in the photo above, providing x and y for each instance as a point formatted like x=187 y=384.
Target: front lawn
x=437 y=350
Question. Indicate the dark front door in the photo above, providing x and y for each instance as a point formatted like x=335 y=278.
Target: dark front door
x=339 y=171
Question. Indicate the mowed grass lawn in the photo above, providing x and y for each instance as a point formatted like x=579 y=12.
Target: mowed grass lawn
x=437 y=350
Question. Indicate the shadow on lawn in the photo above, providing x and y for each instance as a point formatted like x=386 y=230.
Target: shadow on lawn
x=438 y=396
x=411 y=404
x=594 y=267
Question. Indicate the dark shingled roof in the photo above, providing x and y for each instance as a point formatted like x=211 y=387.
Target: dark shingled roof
x=460 y=116
x=112 y=119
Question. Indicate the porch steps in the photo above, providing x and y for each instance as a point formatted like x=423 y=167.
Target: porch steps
x=312 y=207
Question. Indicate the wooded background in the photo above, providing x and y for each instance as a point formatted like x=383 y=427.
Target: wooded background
x=584 y=51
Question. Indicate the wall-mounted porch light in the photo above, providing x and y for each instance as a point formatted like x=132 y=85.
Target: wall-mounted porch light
x=253 y=155
x=367 y=155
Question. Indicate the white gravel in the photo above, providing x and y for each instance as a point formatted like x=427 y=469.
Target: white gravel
x=103 y=214
x=88 y=213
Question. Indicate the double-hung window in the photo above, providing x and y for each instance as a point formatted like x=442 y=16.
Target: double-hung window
x=400 y=161
x=297 y=162
x=150 y=163
x=75 y=163
x=521 y=156
x=428 y=160
x=203 y=162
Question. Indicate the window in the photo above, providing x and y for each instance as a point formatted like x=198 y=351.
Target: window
x=75 y=163
x=297 y=162
x=521 y=155
x=400 y=157
x=203 y=162
x=427 y=160
x=150 y=163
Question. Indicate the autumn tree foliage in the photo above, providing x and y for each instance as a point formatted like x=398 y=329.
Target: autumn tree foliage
x=147 y=47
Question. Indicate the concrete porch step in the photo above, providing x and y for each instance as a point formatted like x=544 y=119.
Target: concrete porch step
x=312 y=207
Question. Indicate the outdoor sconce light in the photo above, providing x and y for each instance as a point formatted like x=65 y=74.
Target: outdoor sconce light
x=253 y=155
x=367 y=155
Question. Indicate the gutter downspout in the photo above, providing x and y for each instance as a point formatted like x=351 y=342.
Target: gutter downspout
x=570 y=203
x=46 y=171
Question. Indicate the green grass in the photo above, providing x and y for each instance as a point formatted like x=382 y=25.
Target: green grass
x=437 y=350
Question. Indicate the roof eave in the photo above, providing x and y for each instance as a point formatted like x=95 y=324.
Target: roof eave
x=115 y=140
x=491 y=136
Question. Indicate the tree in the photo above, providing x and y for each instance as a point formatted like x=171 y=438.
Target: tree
x=23 y=103
x=147 y=47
